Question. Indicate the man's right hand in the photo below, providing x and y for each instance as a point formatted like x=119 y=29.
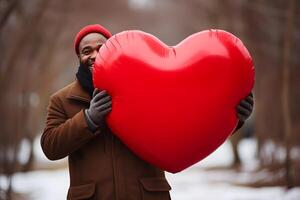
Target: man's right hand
x=100 y=106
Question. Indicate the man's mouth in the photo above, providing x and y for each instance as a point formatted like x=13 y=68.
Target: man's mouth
x=91 y=67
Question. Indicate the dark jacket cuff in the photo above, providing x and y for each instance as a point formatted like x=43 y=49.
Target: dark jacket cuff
x=240 y=124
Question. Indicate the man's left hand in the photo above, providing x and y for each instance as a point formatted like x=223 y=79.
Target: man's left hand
x=244 y=109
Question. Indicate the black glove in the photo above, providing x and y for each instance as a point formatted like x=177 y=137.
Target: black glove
x=244 y=110
x=100 y=106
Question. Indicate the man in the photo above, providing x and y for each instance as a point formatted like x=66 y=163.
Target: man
x=100 y=165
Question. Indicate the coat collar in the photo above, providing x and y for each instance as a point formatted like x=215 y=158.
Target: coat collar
x=77 y=93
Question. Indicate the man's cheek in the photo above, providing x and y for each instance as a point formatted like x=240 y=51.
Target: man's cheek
x=83 y=61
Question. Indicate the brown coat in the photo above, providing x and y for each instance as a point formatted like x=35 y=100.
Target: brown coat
x=100 y=166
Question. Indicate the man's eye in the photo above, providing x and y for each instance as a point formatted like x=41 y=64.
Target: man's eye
x=99 y=47
x=86 y=52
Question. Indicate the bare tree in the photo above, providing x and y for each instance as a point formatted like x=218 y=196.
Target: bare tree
x=286 y=89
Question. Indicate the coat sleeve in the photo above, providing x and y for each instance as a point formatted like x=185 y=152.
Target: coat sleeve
x=62 y=136
x=240 y=124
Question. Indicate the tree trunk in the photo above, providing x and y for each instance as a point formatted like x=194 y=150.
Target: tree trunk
x=285 y=90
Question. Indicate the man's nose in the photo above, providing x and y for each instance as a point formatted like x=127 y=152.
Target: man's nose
x=94 y=54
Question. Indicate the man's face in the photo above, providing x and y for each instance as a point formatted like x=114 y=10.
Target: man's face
x=88 y=49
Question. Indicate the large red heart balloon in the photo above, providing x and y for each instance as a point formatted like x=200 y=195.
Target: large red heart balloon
x=173 y=106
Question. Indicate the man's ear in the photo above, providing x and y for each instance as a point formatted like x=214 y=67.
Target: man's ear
x=79 y=60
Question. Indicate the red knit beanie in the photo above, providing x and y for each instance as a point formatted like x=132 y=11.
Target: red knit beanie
x=93 y=28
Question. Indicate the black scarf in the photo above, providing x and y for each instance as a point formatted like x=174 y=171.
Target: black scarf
x=85 y=79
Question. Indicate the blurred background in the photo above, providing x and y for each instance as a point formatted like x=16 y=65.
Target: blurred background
x=262 y=161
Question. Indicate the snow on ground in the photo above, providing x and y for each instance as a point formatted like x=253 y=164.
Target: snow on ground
x=43 y=185
x=194 y=183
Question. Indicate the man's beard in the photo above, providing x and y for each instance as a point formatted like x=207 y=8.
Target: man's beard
x=85 y=78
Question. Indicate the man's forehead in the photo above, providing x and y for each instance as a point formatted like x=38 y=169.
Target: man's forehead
x=92 y=38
